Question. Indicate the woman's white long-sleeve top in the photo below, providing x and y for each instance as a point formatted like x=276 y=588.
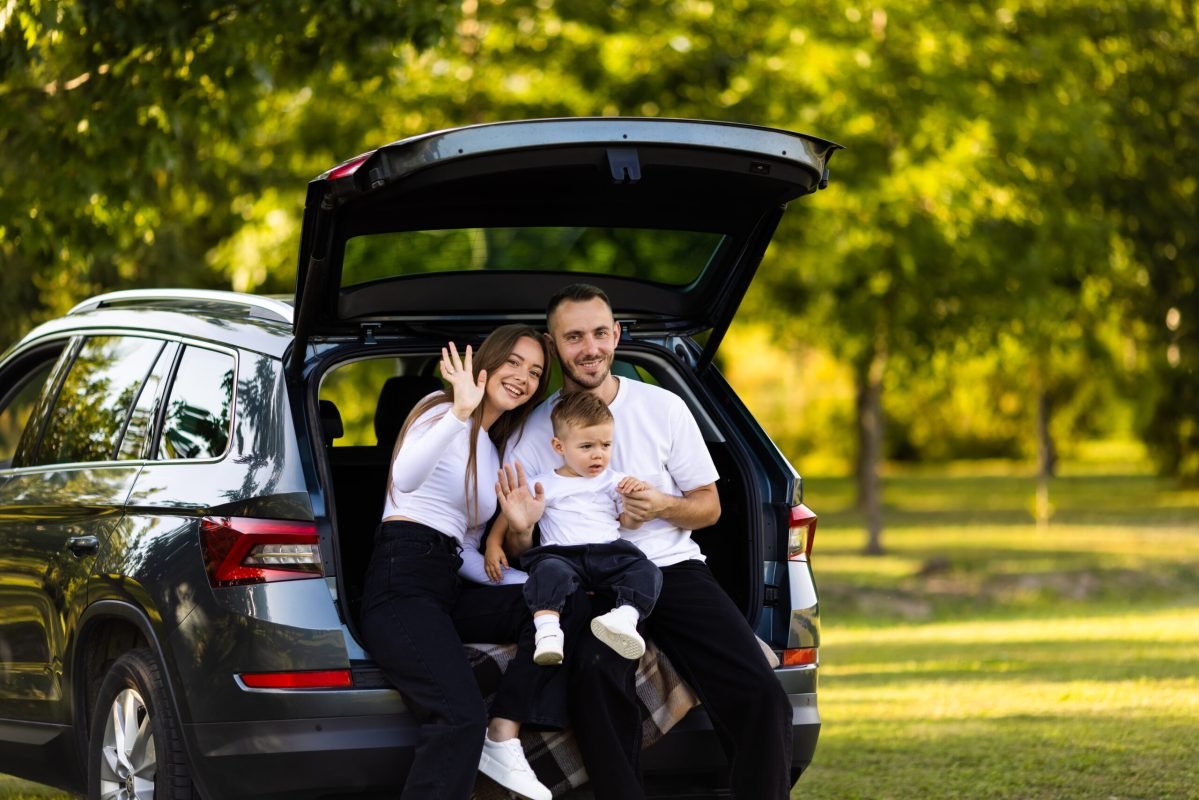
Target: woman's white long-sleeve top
x=427 y=475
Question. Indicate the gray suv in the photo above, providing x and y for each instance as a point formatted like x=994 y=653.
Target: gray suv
x=189 y=480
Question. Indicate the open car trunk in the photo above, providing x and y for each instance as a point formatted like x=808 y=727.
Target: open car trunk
x=365 y=402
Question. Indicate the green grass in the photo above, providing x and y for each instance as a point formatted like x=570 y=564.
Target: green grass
x=982 y=657
x=16 y=789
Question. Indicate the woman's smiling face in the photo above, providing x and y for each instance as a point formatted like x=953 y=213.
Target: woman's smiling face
x=516 y=380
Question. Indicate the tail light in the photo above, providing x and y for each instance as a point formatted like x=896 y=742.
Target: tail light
x=801 y=531
x=309 y=679
x=241 y=550
x=800 y=656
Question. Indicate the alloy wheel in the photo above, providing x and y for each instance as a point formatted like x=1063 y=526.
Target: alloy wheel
x=128 y=763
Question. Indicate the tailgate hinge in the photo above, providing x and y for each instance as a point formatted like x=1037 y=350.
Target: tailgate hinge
x=369 y=329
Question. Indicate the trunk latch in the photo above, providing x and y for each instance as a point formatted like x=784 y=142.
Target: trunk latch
x=625 y=165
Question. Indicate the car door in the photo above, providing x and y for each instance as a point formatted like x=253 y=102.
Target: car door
x=63 y=490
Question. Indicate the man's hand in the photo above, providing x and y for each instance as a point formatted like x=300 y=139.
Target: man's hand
x=697 y=508
x=645 y=503
x=522 y=507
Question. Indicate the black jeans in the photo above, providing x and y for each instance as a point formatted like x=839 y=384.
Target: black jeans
x=532 y=695
x=411 y=587
x=556 y=571
x=707 y=639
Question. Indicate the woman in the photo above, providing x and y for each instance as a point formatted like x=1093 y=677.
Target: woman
x=434 y=497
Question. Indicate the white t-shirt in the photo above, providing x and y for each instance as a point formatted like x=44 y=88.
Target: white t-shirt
x=656 y=439
x=427 y=474
x=580 y=510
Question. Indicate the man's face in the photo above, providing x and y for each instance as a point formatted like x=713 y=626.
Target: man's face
x=585 y=336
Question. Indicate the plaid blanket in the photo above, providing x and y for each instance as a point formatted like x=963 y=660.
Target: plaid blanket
x=664 y=698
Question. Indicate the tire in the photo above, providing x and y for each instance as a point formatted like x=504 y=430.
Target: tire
x=134 y=748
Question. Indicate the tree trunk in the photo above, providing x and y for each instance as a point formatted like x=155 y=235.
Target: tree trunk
x=869 y=392
x=1046 y=458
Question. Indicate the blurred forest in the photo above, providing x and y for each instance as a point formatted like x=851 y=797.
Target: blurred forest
x=1004 y=265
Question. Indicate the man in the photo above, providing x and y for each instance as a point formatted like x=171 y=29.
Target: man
x=694 y=622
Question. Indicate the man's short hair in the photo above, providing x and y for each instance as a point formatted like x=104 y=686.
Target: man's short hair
x=575 y=293
x=578 y=410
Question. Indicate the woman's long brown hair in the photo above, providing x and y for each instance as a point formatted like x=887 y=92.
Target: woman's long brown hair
x=490 y=356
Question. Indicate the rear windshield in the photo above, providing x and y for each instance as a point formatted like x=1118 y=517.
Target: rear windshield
x=670 y=257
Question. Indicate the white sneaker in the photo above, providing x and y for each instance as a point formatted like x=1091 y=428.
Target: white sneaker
x=617 y=631
x=504 y=763
x=549 y=646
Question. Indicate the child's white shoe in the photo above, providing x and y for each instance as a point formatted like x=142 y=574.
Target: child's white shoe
x=549 y=646
x=618 y=630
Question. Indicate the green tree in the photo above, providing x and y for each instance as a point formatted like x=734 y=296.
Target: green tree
x=140 y=136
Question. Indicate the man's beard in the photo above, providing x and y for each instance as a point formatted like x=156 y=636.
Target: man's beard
x=585 y=381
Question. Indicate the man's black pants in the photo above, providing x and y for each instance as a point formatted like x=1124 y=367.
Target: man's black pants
x=707 y=639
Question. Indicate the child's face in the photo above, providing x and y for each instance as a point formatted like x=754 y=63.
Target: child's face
x=586 y=449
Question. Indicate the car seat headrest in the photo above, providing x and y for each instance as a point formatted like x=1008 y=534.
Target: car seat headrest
x=397 y=397
x=331 y=422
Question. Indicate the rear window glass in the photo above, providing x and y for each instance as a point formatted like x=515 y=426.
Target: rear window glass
x=200 y=409
x=671 y=257
x=94 y=401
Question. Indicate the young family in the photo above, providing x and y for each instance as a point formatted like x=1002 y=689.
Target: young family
x=614 y=475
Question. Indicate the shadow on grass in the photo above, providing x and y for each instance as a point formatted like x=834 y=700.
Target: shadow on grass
x=939 y=500
x=1063 y=661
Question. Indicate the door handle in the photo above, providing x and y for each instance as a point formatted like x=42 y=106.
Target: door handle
x=83 y=545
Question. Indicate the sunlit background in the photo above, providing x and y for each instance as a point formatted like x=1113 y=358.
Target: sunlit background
x=979 y=345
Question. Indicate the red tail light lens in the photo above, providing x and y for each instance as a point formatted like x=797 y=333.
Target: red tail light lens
x=313 y=679
x=801 y=533
x=800 y=656
x=241 y=550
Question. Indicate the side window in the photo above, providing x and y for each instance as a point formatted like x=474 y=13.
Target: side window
x=16 y=406
x=95 y=399
x=145 y=411
x=200 y=408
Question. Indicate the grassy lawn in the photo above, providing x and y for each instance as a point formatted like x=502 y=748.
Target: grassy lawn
x=14 y=789
x=983 y=657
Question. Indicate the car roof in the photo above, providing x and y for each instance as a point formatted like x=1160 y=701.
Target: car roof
x=251 y=322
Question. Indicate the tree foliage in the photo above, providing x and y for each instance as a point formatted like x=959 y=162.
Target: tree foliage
x=141 y=139
x=1011 y=226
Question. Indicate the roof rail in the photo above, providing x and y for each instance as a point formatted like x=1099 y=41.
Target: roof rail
x=258 y=306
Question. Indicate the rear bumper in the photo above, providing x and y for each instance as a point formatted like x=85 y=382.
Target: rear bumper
x=368 y=756
x=303 y=759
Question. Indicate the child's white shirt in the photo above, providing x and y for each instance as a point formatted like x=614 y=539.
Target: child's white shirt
x=580 y=510
x=655 y=439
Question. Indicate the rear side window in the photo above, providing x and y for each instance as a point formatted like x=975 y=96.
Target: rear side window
x=95 y=399
x=135 y=443
x=199 y=411
x=16 y=408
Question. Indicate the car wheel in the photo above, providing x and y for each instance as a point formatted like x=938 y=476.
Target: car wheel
x=134 y=749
